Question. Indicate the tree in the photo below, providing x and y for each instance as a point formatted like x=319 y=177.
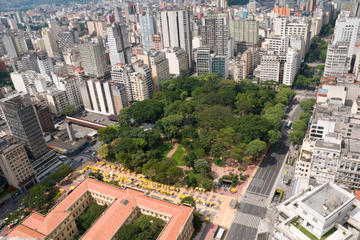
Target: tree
x=238 y=152
x=284 y=95
x=296 y=136
x=69 y=110
x=103 y=151
x=202 y=166
x=147 y=111
x=255 y=148
x=274 y=136
x=188 y=200
x=91 y=213
x=108 y=134
x=60 y=174
x=299 y=125
x=216 y=117
x=308 y=104
x=305 y=117
x=174 y=174
x=145 y=227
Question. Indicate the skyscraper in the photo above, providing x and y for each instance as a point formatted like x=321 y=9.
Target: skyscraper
x=22 y=121
x=119 y=47
x=147 y=28
x=175 y=31
x=93 y=57
x=215 y=34
x=49 y=42
x=159 y=68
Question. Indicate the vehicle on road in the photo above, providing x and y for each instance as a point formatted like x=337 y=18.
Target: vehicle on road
x=289 y=124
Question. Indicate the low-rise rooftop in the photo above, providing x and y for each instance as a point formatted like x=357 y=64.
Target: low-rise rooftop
x=327 y=198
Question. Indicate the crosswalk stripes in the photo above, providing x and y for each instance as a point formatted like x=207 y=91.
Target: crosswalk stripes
x=247 y=220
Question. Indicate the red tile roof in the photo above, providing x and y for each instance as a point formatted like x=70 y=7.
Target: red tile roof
x=39 y=226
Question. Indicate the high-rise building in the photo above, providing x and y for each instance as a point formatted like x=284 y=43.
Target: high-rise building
x=244 y=64
x=45 y=64
x=215 y=35
x=21 y=118
x=66 y=39
x=175 y=31
x=337 y=62
x=136 y=79
x=147 y=28
x=156 y=42
x=15 y=164
x=49 y=42
x=57 y=101
x=346 y=30
x=290 y=67
x=203 y=60
x=159 y=68
x=270 y=68
x=93 y=57
x=178 y=61
x=119 y=47
x=293 y=26
x=9 y=46
x=69 y=84
x=219 y=65
x=44 y=116
x=244 y=30
x=101 y=96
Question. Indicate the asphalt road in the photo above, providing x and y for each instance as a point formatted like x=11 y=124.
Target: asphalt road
x=252 y=208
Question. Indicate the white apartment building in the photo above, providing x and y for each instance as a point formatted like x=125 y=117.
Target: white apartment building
x=270 y=68
x=178 y=61
x=321 y=210
x=101 y=96
x=325 y=160
x=203 y=61
x=175 y=31
x=290 y=67
x=346 y=30
x=337 y=62
x=136 y=79
x=293 y=26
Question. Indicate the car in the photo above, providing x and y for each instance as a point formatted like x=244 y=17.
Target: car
x=2 y=226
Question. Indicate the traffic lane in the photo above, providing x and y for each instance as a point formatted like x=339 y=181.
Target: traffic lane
x=269 y=168
x=241 y=232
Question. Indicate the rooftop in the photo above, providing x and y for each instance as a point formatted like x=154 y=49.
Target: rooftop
x=40 y=226
x=327 y=198
x=328 y=145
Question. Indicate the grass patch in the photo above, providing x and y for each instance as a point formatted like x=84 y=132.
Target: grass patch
x=179 y=155
x=165 y=148
x=309 y=234
x=304 y=230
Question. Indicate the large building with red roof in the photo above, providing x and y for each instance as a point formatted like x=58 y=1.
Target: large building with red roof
x=124 y=205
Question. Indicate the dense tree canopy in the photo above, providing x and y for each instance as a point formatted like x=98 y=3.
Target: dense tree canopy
x=211 y=118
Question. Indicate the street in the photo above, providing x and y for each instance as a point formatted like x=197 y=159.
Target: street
x=257 y=198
